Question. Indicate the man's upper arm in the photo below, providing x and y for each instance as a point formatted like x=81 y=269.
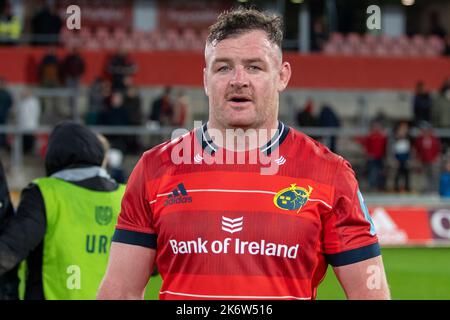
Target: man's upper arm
x=133 y=247
x=349 y=239
x=128 y=272
x=364 y=280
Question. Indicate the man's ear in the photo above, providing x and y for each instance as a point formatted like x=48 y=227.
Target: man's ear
x=285 y=75
x=205 y=84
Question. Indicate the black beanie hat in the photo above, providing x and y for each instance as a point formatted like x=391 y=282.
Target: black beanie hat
x=72 y=145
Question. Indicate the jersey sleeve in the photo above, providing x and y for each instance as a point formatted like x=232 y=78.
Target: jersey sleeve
x=134 y=225
x=348 y=231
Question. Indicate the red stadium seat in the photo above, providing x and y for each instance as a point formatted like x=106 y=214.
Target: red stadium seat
x=144 y=44
x=381 y=50
x=364 y=50
x=385 y=40
x=110 y=43
x=160 y=40
x=397 y=50
x=418 y=40
x=176 y=41
x=370 y=40
x=92 y=44
x=402 y=41
x=436 y=43
x=348 y=50
x=85 y=33
x=331 y=49
x=336 y=38
x=102 y=33
x=353 y=39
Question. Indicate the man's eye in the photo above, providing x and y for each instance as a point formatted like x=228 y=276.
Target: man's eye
x=254 y=68
x=223 y=69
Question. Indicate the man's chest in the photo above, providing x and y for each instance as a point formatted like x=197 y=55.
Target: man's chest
x=242 y=213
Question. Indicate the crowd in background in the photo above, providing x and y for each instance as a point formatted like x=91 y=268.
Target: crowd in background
x=114 y=100
x=391 y=143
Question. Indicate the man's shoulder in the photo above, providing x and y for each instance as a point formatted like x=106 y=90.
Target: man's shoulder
x=312 y=149
x=163 y=153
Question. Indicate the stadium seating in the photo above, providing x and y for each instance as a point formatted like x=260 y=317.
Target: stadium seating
x=352 y=44
x=384 y=46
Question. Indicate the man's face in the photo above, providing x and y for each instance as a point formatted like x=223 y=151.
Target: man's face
x=243 y=78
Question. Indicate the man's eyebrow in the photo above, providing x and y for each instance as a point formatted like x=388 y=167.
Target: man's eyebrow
x=253 y=60
x=227 y=60
x=218 y=60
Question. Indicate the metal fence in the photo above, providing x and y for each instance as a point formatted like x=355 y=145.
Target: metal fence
x=166 y=132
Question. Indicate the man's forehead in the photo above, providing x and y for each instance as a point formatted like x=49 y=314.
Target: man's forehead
x=251 y=44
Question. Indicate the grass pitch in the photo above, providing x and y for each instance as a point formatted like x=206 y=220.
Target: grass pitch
x=412 y=273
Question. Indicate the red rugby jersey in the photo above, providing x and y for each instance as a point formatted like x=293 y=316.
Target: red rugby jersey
x=226 y=231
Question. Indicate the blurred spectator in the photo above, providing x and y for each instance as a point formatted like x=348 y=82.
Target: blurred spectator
x=119 y=67
x=436 y=28
x=181 y=109
x=444 y=180
x=10 y=27
x=116 y=115
x=446 y=51
x=305 y=117
x=428 y=148
x=421 y=104
x=45 y=25
x=162 y=108
x=402 y=153
x=6 y=102
x=28 y=113
x=72 y=70
x=49 y=75
x=382 y=119
x=319 y=35
x=375 y=146
x=329 y=119
x=95 y=101
x=49 y=69
x=133 y=105
x=441 y=107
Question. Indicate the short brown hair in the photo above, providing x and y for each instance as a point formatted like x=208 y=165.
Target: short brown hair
x=240 y=20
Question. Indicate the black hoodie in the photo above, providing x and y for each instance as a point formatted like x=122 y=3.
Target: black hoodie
x=71 y=145
x=9 y=281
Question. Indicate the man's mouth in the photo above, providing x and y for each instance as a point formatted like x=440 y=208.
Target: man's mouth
x=239 y=99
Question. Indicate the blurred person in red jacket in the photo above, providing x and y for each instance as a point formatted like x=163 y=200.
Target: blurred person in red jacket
x=428 y=149
x=375 y=146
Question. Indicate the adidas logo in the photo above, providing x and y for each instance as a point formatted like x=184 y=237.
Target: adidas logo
x=178 y=195
x=387 y=230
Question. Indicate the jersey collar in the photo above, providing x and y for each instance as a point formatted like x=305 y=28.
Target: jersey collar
x=210 y=147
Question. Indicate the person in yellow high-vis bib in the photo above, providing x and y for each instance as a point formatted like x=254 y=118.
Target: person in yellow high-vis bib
x=65 y=221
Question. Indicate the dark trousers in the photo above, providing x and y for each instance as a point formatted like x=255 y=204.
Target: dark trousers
x=402 y=174
x=376 y=174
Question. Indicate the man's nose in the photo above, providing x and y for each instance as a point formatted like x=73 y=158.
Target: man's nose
x=239 y=78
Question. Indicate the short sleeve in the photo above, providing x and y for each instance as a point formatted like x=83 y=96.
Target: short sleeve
x=134 y=225
x=348 y=231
